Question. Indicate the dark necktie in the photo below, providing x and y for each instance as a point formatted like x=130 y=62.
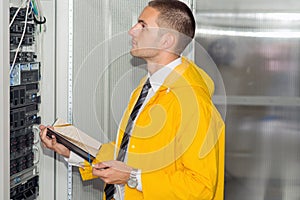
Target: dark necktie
x=110 y=188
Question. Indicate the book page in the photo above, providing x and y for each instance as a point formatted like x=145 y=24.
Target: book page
x=77 y=137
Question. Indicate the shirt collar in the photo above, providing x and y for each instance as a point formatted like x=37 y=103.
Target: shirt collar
x=158 y=78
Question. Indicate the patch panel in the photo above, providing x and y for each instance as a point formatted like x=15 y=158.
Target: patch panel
x=21 y=14
x=18 y=27
x=15 y=39
x=23 y=57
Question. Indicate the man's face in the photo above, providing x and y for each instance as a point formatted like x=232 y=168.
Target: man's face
x=145 y=35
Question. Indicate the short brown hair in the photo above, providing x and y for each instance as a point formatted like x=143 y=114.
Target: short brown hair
x=175 y=15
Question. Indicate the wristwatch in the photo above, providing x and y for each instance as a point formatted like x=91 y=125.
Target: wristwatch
x=132 y=181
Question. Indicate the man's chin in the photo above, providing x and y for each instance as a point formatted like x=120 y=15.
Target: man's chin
x=143 y=53
x=135 y=53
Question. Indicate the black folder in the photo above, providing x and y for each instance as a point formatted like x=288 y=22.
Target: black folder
x=70 y=145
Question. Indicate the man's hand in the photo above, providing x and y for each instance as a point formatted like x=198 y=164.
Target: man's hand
x=112 y=172
x=51 y=143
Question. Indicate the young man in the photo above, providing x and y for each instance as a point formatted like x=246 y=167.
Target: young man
x=170 y=143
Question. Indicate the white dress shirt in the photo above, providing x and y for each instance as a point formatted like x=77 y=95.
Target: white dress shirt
x=156 y=80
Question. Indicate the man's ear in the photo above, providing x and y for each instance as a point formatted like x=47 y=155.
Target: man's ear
x=168 y=41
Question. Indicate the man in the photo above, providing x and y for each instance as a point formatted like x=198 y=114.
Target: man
x=170 y=143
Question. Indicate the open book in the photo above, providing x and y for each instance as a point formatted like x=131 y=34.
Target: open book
x=74 y=139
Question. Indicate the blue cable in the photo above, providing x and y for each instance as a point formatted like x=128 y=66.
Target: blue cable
x=89 y=157
x=33 y=8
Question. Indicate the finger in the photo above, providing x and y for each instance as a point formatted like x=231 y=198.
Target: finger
x=100 y=168
x=110 y=163
x=117 y=165
x=46 y=143
x=45 y=139
x=53 y=140
x=41 y=127
x=100 y=173
x=101 y=165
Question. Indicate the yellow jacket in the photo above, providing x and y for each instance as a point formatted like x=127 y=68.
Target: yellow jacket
x=178 y=139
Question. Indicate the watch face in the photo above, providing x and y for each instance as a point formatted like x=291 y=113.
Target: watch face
x=132 y=182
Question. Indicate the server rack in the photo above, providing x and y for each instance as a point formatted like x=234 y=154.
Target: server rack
x=25 y=76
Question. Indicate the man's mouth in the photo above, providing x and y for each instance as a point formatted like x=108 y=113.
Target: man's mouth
x=133 y=43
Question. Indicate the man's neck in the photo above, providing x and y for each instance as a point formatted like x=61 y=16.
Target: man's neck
x=155 y=65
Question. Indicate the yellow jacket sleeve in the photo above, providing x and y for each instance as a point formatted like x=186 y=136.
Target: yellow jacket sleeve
x=106 y=152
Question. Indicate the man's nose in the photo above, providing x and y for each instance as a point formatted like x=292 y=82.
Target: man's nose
x=133 y=30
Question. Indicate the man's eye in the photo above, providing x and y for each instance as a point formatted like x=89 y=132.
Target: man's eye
x=143 y=25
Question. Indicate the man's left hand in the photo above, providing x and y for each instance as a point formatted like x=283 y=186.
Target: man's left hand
x=112 y=172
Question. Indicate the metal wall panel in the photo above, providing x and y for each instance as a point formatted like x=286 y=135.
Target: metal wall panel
x=262 y=152
x=253 y=66
x=256 y=54
x=257 y=51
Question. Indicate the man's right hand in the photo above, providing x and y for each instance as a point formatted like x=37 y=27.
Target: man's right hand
x=51 y=143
